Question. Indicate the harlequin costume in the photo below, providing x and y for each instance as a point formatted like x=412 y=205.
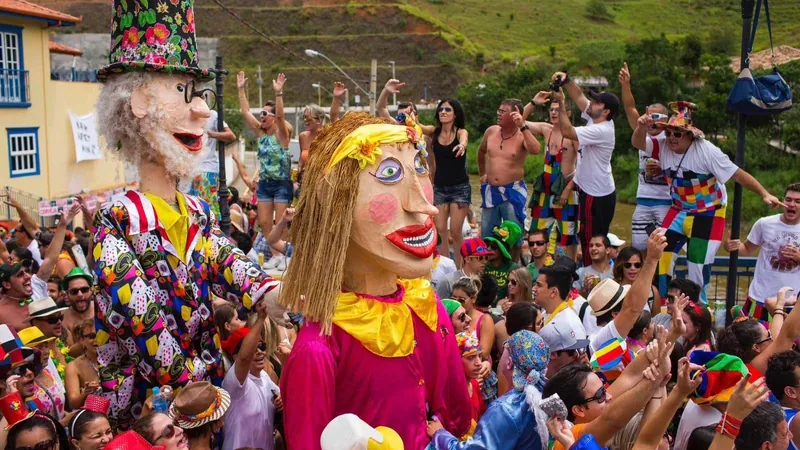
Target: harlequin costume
x=157 y=265
x=547 y=212
x=391 y=360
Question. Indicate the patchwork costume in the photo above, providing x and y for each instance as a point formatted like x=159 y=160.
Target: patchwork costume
x=697 y=217
x=547 y=212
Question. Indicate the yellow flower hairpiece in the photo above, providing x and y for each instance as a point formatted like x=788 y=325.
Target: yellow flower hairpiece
x=364 y=143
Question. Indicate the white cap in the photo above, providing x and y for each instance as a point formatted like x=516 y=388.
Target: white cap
x=348 y=432
x=615 y=240
x=565 y=332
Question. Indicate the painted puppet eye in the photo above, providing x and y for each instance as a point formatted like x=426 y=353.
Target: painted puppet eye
x=389 y=171
x=419 y=164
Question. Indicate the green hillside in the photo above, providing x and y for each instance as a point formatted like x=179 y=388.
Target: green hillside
x=510 y=29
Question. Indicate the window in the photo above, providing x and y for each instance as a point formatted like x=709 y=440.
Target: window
x=23 y=151
x=13 y=76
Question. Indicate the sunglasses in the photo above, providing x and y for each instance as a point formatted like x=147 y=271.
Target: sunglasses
x=445 y=109
x=168 y=433
x=81 y=290
x=599 y=396
x=483 y=258
x=658 y=116
x=628 y=265
x=54 y=320
x=512 y=282
x=460 y=299
x=675 y=134
x=536 y=243
x=44 y=445
x=22 y=369
x=91 y=336
x=462 y=317
x=262 y=346
x=767 y=339
x=267 y=114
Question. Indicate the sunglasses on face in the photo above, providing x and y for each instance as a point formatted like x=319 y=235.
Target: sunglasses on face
x=44 y=445
x=445 y=109
x=262 y=346
x=54 y=320
x=628 y=265
x=766 y=339
x=658 y=116
x=23 y=369
x=81 y=290
x=462 y=317
x=536 y=243
x=675 y=134
x=267 y=114
x=599 y=396
x=480 y=258
x=460 y=299
x=512 y=282
x=168 y=433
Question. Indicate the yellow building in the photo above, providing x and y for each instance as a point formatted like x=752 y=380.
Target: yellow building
x=35 y=128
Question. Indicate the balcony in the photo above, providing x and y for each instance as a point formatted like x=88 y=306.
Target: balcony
x=15 y=91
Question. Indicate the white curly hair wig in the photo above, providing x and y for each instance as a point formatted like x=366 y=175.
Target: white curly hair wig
x=132 y=138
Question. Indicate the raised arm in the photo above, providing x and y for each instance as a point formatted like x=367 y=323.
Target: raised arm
x=529 y=140
x=392 y=87
x=274 y=239
x=250 y=344
x=283 y=130
x=575 y=92
x=338 y=91
x=54 y=249
x=750 y=183
x=639 y=138
x=243 y=172
x=27 y=220
x=244 y=105
x=628 y=102
x=790 y=331
x=567 y=130
x=744 y=400
x=634 y=303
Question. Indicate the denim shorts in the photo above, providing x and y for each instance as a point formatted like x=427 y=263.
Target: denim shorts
x=458 y=193
x=280 y=191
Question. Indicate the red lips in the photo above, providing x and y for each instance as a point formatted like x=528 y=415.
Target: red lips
x=192 y=142
x=417 y=240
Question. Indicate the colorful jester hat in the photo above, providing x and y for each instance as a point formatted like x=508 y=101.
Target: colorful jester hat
x=722 y=373
x=682 y=119
x=505 y=237
x=153 y=36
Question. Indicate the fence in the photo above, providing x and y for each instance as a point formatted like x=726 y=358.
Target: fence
x=29 y=203
x=745 y=270
x=14 y=86
x=72 y=74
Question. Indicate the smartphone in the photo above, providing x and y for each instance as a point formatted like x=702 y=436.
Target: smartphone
x=650 y=228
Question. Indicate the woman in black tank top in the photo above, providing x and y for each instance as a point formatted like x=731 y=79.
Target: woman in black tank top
x=451 y=189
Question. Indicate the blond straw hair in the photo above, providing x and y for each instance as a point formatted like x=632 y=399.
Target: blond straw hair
x=321 y=227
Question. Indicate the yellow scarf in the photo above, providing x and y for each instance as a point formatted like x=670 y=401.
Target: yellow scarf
x=561 y=306
x=387 y=329
x=176 y=224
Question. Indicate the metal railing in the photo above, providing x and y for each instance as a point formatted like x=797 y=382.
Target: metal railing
x=72 y=74
x=745 y=270
x=29 y=202
x=14 y=87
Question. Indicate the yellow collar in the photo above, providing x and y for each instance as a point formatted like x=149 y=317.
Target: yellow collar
x=561 y=306
x=387 y=329
x=175 y=224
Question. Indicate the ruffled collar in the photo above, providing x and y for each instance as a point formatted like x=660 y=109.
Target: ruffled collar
x=384 y=325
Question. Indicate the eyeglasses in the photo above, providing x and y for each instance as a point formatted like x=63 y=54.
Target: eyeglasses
x=262 y=346
x=482 y=258
x=22 y=369
x=81 y=290
x=462 y=317
x=512 y=282
x=53 y=320
x=44 y=445
x=445 y=109
x=90 y=336
x=501 y=112
x=190 y=92
x=766 y=339
x=599 y=396
x=628 y=265
x=671 y=298
x=658 y=116
x=460 y=299
x=168 y=433
x=267 y=114
x=536 y=243
x=675 y=134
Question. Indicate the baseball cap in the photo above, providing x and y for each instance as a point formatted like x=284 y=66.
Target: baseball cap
x=565 y=332
x=562 y=266
x=8 y=270
x=615 y=240
x=474 y=247
x=608 y=99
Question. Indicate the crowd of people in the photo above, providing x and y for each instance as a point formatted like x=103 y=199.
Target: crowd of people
x=152 y=329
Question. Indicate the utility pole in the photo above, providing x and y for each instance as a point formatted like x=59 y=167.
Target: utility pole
x=319 y=93
x=224 y=211
x=346 y=99
x=394 y=77
x=260 y=83
x=373 y=86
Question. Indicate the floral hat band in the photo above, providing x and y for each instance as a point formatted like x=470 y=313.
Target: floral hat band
x=468 y=343
x=364 y=143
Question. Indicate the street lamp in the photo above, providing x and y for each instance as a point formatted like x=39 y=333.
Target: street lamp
x=319 y=89
x=394 y=96
x=315 y=54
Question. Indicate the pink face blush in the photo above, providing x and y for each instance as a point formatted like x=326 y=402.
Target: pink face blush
x=383 y=208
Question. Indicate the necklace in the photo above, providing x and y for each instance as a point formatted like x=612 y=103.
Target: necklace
x=22 y=300
x=503 y=139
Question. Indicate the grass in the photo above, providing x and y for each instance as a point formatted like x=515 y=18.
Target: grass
x=537 y=25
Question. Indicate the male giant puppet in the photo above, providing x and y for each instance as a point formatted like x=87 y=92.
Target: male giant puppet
x=159 y=254
x=376 y=342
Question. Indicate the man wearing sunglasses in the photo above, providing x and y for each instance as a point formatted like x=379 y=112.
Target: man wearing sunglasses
x=652 y=195
x=537 y=244
x=48 y=317
x=475 y=254
x=78 y=285
x=696 y=171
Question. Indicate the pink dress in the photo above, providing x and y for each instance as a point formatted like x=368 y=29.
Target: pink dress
x=327 y=376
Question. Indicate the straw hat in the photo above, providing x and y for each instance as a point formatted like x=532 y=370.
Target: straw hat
x=198 y=404
x=44 y=307
x=606 y=295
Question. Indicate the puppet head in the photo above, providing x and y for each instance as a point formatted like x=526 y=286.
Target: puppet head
x=152 y=104
x=366 y=199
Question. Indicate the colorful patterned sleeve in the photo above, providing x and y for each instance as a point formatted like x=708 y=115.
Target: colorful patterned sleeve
x=233 y=276
x=132 y=333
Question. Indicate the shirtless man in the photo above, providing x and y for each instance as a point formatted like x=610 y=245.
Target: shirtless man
x=15 y=294
x=501 y=164
x=557 y=201
x=78 y=285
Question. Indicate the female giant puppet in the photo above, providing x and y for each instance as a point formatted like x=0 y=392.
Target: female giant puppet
x=376 y=343
x=158 y=253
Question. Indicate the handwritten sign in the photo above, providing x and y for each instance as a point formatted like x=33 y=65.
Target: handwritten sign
x=54 y=207
x=84 y=132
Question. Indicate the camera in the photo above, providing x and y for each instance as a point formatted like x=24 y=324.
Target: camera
x=556 y=85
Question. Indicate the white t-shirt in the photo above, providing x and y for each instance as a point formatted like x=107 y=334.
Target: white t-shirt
x=772 y=270
x=39 y=288
x=651 y=186
x=603 y=335
x=34 y=249
x=694 y=416
x=694 y=172
x=589 y=320
x=210 y=161
x=596 y=144
x=250 y=418
x=446 y=266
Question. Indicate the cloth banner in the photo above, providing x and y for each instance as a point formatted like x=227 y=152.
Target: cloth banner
x=84 y=132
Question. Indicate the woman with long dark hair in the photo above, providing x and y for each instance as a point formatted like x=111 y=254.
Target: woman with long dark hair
x=626 y=269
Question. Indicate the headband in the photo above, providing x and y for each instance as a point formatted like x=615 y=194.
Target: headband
x=363 y=144
x=695 y=308
x=73 y=422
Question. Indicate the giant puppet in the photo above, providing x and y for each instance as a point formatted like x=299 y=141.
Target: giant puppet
x=159 y=254
x=376 y=343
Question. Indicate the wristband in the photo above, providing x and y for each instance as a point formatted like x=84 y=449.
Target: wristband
x=779 y=312
x=279 y=94
x=523 y=128
x=729 y=426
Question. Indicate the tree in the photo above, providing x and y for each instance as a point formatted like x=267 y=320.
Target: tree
x=692 y=51
x=597 y=10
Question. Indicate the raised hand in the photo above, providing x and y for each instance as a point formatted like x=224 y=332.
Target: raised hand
x=656 y=244
x=561 y=431
x=542 y=97
x=624 y=75
x=339 y=89
x=277 y=84
x=459 y=150
x=516 y=116
x=686 y=385
x=746 y=398
x=241 y=80
x=678 y=325
x=288 y=215
x=69 y=214
x=393 y=86
x=261 y=310
x=434 y=426
x=558 y=96
x=645 y=121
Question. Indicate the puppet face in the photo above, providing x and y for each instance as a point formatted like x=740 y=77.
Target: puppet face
x=393 y=223
x=173 y=127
